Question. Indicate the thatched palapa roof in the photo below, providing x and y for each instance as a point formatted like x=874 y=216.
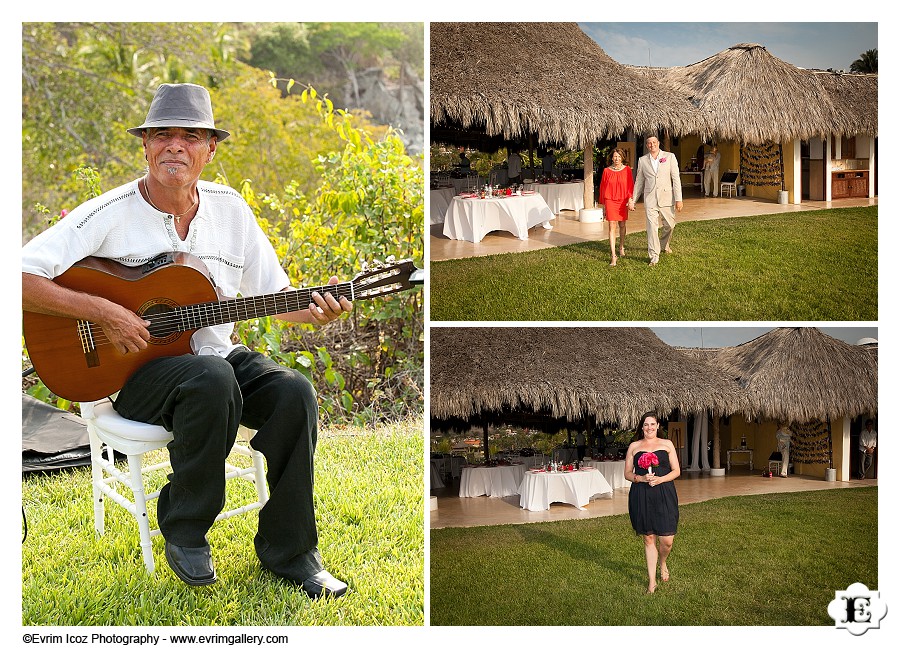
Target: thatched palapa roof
x=855 y=99
x=800 y=374
x=753 y=97
x=550 y=79
x=600 y=374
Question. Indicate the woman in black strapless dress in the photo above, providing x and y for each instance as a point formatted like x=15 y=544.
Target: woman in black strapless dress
x=652 y=500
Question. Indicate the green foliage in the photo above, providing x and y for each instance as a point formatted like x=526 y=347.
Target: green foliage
x=443 y=157
x=284 y=49
x=332 y=53
x=867 y=62
x=369 y=205
x=276 y=141
x=484 y=163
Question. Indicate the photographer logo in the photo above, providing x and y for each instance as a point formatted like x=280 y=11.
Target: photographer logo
x=857 y=609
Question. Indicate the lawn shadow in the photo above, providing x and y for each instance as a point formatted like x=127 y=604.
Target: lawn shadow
x=578 y=550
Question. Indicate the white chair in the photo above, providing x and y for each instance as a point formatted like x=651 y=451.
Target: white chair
x=728 y=183
x=457 y=463
x=775 y=463
x=113 y=433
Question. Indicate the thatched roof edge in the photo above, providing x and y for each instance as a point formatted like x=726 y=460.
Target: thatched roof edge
x=607 y=374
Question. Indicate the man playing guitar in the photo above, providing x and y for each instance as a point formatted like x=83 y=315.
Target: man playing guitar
x=202 y=396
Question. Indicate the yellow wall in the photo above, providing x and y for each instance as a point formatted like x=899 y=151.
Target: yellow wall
x=788 y=148
x=766 y=193
x=761 y=439
x=730 y=151
x=688 y=145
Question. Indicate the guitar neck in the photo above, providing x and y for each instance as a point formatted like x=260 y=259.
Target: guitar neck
x=194 y=316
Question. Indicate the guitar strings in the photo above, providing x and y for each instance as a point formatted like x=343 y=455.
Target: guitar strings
x=169 y=322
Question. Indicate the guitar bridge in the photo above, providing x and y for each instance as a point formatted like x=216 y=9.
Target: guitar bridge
x=88 y=345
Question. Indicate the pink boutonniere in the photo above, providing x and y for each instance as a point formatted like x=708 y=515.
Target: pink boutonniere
x=661 y=160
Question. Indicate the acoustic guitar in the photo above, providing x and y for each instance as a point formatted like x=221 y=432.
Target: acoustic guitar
x=177 y=295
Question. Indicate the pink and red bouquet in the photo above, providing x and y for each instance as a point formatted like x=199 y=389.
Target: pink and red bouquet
x=647 y=461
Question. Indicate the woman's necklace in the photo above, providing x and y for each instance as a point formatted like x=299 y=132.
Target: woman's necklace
x=177 y=216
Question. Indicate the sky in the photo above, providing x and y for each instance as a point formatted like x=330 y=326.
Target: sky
x=806 y=45
x=718 y=336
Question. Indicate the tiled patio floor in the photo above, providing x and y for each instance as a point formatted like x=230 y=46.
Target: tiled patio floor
x=567 y=230
x=455 y=511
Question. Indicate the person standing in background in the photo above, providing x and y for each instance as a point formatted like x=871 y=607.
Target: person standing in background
x=868 y=439
x=711 y=172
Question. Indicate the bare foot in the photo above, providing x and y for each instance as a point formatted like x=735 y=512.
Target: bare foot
x=613 y=261
x=621 y=251
x=652 y=588
x=664 y=572
x=668 y=250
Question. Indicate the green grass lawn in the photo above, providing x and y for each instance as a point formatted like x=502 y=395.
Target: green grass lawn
x=817 y=265
x=369 y=504
x=750 y=560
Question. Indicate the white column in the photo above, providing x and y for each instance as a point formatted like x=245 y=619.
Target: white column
x=695 y=446
x=699 y=439
x=828 y=168
x=798 y=174
x=871 y=167
x=704 y=442
x=843 y=451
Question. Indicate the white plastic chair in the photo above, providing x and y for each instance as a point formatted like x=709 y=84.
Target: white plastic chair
x=729 y=186
x=109 y=431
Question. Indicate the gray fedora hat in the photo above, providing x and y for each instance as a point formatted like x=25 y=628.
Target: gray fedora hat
x=183 y=105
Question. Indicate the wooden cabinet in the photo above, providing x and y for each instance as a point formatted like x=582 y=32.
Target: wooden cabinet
x=840 y=187
x=859 y=187
x=849 y=184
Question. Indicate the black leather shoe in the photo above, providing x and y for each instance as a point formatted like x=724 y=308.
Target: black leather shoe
x=323 y=584
x=193 y=565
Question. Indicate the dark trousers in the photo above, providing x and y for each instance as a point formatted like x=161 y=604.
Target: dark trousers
x=865 y=462
x=202 y=400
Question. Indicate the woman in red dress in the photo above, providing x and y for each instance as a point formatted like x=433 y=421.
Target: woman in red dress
x=616 y=188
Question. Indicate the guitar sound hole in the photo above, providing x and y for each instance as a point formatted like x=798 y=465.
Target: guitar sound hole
x=163 y=323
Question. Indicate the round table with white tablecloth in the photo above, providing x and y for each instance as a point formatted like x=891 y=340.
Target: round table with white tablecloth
x=470 y=219
x=612 y=471
x=439 y=202
x=493 y=481
x=539 y=488
x=560 y=195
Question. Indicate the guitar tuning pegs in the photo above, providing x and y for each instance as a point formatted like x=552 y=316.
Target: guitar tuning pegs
x=391 y=260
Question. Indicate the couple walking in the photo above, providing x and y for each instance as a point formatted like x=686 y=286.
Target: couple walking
x=658 y=180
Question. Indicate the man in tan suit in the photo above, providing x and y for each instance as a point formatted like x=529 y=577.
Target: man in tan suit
x=659 y=181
